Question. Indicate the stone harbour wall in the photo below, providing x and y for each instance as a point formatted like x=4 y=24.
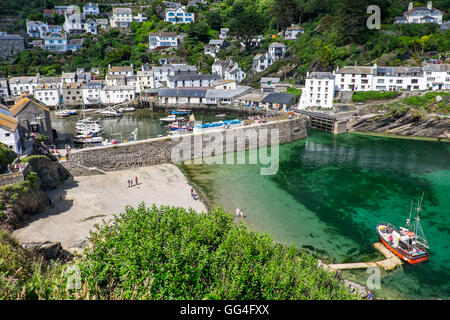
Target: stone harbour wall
x=160 y=150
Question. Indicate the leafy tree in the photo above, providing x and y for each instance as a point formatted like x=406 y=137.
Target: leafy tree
x=198 y=31
x=214 y=19
x=245 y=21
x=351 y=24
x=283 y=13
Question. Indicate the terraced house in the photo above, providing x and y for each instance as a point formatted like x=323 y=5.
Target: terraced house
x=21 y=85
x=72 y=93
x=47 y=94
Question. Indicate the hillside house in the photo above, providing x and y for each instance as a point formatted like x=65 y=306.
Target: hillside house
x=162 y=40
x=214 y=46
x=228 y=70
x=91 y=9
x=178 y=15
x=121 y=18
x=293 y=32
x=426 y=14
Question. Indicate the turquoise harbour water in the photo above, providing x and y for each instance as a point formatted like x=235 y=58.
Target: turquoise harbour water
x=330 y=192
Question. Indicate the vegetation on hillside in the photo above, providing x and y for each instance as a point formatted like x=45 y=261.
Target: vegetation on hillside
x=335 y=35
x=363 y=96
x=173 y=253
x=7 y=156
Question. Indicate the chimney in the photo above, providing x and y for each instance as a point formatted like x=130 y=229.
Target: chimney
x=410 y=6
x=430 y=5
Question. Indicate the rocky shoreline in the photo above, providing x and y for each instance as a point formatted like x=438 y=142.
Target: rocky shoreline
x=408 y=123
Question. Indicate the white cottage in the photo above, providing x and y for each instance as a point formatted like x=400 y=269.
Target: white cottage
x=318 y=91
x=48 y=94
x=9 y=131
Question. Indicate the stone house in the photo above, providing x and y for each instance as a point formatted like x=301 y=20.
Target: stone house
x=72 y=93
x=10 y=45
x=32 y=117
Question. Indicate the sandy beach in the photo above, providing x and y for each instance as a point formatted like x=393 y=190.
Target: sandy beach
x=87 y=200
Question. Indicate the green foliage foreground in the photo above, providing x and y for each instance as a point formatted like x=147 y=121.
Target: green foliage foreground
x=174 y=253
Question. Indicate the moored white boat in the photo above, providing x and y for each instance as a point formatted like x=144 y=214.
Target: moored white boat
x=87 y=139
x=110 y=112
x=171 y=118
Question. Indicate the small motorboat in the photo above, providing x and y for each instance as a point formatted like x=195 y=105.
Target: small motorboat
x=179 y=126
x=129 y=109
x=111 y=112
x=89 y=129
x=171 y=118
x=182 y=111
x=87 y=139
x=409 y=243
x=66 y=113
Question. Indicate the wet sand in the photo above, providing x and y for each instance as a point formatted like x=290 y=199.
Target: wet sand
x=89 y=200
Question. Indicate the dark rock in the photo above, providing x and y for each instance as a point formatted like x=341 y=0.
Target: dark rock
x=49 y=250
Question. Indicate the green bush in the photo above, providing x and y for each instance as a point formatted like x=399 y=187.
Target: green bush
x=363 y=96
x=173 y=253
x=6 y=157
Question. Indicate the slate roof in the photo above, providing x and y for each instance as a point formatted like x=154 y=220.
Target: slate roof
x=227 y=94
x=356 y=70
x=280 y=98
x=121 y=10
x=182 y=92
x=321 y=75
x=22 y=103
x=193 y=76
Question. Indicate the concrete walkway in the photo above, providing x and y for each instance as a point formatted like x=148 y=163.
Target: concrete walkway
x=90 y=199
x=390 y=263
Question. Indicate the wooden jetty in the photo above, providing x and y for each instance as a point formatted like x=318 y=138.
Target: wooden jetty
x=390 y=263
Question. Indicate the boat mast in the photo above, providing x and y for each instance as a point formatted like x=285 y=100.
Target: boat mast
x=418 y=227
x=408 y=221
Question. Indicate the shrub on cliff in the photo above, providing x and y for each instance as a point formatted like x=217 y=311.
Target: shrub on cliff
x=7 y=156
x=363 y=96
x=173 y=253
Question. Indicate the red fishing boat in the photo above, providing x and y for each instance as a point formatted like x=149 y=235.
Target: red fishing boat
x=408 y=243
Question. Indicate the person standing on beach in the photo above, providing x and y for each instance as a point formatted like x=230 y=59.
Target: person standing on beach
x=136 y=180
x=129 y=183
